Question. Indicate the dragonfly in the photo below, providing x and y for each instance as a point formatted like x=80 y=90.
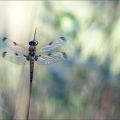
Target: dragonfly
x=20 y=54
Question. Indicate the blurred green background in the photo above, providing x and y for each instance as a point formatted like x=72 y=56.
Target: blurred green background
x=84 y=86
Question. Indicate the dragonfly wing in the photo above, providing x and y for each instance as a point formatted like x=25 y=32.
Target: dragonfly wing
x=51 y=58
x=13 y=45
x=17 y=58
x=53 y=45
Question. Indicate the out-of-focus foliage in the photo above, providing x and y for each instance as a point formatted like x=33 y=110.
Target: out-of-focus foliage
x=86 y=85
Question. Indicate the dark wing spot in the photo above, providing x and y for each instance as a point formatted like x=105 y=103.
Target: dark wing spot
x=50 y=43
x=49 y=54
x=3 y=54
x=36 y=58
x=27 y=57
x=16 y=54
x=14 y=43
x=3 y=40
x=64 y=54
x=62 y=38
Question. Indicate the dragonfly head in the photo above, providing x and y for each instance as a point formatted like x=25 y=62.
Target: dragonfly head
x=34 y=42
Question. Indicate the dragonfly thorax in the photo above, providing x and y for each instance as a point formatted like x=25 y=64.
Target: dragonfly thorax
x=31 y=58
x=32 y=49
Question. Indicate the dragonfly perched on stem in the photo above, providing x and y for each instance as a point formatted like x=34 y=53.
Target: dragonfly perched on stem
x=43 y=56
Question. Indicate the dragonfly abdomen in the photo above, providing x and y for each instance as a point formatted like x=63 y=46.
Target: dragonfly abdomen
x=31 y=76
x=31 y=70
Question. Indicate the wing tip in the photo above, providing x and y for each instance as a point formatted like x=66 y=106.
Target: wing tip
x=63 y=38
x=3 y=54
x=64 y=55
x=4 y=38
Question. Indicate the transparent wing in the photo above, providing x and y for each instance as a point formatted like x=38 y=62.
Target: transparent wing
x=52 y=45
x=13 y=45
x=51 y=58
x=15 y=57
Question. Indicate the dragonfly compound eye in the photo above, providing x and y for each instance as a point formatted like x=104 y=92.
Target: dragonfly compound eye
x=31 y=43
